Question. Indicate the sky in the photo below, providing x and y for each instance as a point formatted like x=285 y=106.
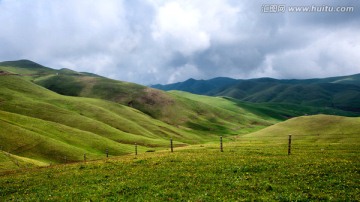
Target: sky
x=167 y=41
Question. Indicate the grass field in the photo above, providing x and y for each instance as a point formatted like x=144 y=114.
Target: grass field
x=44 y=137
x=42 y=125
x=39 y=124
x=252 y=167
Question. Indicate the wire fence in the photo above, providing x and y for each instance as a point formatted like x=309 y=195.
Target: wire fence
x=313 y=143
x=292 y=144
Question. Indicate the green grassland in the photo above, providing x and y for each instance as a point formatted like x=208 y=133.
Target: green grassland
x=171 y=109
x=319 y=169
x=319 y=128
x=39 y=124
x=48 y=127
x=43 y=125
x=50 y=119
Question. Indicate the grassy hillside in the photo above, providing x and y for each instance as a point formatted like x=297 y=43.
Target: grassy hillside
x=340 y=93
x=325 y=168
x=273 y=112
x=174 y=110
x=11 y=162
x=171 y=109
x=42 y=125
x=45 y=126
x=319 y=129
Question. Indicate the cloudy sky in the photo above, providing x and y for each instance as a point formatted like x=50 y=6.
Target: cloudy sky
x=165 y=41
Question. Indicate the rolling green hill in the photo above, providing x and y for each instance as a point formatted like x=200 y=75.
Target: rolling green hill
x=268 y=111
x=315 y=129
x=42 y=125
x=59 y=115
x=324 y=166
x=171 y=109
x=342 y=93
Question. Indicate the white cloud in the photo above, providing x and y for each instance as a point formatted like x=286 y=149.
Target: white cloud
x=158 y=41
x=191 y=26
x=330 y=55
x=177 y=27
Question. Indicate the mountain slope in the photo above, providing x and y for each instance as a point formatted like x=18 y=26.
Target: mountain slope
x=336 y=92
x=174 y=110
x=45 y=126
x=272 y=112
x=198 y=86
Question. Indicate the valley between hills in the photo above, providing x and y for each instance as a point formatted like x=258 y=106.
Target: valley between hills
x=57 y=127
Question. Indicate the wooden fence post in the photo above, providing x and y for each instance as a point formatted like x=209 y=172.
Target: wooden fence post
x=65 y=159
x=171 y=145
x=135 y=149
x=85 y=157
x=107 y=152
x=289 y=145
x=221 y=144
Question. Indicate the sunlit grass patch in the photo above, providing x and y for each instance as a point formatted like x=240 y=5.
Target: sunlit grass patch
x=242 y=172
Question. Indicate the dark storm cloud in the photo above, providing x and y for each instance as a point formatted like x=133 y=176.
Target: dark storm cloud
x=221 y=59
x=158 y=41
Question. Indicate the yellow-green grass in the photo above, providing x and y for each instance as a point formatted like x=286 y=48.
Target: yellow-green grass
x=229 y=105
x=42 y=125
x=174 y=110
x=318 y=128
x=261 y=171
x=169 y=108
x=10 y=161
x=246 y=121
x=87 y=114
x=48 y=141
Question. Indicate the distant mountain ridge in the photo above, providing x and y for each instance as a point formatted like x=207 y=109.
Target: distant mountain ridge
x=203 y=87
x=341 y=92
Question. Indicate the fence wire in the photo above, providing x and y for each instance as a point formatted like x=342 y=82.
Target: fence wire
x=300 y=143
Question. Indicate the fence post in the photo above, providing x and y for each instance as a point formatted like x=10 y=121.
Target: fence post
x=107 y=152
x=171 y=145
x=85 y=157
x=135 y=149
x=289 y=145
x=221 y=144
x=65 y=159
